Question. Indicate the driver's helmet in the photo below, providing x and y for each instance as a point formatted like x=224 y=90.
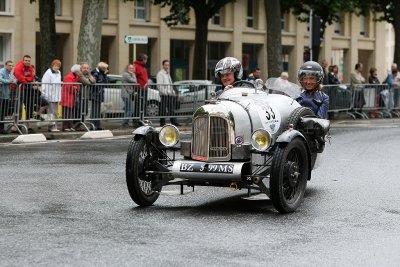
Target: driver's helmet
x=310 y=68
x=229 y=64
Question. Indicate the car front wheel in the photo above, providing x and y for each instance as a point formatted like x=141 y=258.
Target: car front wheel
x=138 y=162
x=289 y=175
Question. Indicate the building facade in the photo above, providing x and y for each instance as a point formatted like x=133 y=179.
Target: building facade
x=238 y=30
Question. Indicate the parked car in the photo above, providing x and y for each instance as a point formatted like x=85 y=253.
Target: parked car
x=113 y=106
x=192 y=94
x=244 y=139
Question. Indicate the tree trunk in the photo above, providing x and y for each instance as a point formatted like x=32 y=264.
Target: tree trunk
x=274 y=37
x=48 y=39
x=89 y=42
x=200 y=46
x=396 y=26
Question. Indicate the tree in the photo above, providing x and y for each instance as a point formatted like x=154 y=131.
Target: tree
x=274 y=49
x=47 y=22
x=389 y=11
x=203 y=11
x=329 y=11
x=89 y=42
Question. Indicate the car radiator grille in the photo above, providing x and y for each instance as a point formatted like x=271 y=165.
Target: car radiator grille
x=210 y=139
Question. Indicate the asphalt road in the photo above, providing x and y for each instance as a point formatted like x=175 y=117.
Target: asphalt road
x=66 y=203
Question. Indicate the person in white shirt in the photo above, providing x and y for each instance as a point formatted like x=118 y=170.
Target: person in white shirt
x=51 y=91
x=167 y=94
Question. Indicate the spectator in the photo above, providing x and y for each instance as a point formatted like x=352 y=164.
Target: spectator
x=373 y=76
x=86 y=79
x=167 y=93
x=283 y=80
x=7 y=80
x=356 y=79
x=255 y=75
x=393 y=78
x=141 y=71
x=97 y=93
x=356 y=76
x=128 y=92
x=68 y=102
x=333 y=77
x=142 y=79
x=324 y=65
x=310 y=76
x=25 y=74
x=51 y=91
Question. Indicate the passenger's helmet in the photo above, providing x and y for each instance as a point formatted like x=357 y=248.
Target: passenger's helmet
x=310 y=68
x=229 y=64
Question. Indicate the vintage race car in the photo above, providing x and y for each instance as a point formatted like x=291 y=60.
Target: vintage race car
x=246 y=138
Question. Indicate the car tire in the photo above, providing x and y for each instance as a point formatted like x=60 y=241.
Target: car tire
x=152 y=109
x=289 y=175
x=138 y=161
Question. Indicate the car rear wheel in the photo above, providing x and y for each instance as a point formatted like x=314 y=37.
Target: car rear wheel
x=138 y=161
x=289 y=175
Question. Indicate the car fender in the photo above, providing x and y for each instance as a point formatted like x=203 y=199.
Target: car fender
x=288 y=135
x=143 y=130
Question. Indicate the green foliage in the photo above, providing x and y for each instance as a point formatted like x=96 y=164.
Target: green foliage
x=179 y=9
x=329 y=10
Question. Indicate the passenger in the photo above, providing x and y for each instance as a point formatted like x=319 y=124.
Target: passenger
x=229 y=72
x=310 y=76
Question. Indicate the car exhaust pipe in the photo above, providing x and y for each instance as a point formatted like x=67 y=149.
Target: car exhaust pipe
x=233 y=186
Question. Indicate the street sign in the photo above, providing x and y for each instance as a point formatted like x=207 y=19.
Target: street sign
x=136 y=39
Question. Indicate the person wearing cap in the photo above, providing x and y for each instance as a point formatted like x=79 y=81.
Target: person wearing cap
x=70 y=110
x=310 y=76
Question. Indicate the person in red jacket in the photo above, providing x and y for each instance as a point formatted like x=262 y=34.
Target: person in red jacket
x=142 y=78
x=70 y=110
x=25 y=74
x=141 y=71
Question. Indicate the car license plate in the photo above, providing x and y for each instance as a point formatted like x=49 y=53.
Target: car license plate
x=206 y=167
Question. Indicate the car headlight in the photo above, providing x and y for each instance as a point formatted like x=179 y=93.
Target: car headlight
x=261 y=139
x=169 y=135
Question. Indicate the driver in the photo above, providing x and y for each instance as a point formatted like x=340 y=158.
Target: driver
x=228 y=73
x=310 y=76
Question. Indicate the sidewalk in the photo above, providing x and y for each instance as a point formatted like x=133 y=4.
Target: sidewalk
x=117 y=130
x=113 y=125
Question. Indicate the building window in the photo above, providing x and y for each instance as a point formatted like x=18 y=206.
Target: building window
x=5 y=6
x=337 y=27
x=57 y=7
x=285 y=22
x=250 y=14
x=364 y=26
x=105 y=10
x=216 y=19
x=142 y=10
x=5 y=48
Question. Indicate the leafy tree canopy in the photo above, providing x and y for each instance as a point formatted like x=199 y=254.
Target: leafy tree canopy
x=179 y=9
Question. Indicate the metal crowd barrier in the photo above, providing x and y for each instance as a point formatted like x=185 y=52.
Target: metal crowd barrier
x=364 y=100
x=73 y=106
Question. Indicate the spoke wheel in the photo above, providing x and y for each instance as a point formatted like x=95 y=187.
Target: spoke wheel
x=289 y=175
x=138 y=161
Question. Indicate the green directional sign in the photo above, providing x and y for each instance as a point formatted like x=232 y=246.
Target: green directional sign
x=136 y=39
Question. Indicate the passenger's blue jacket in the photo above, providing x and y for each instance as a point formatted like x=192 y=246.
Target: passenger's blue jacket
x=317 y=101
